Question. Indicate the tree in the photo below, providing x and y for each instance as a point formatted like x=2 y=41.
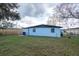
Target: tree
x=5 y=25
x=8 y=11
x=54 y=20
x=66 y=11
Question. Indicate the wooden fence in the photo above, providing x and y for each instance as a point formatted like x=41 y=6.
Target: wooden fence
x=10 y=31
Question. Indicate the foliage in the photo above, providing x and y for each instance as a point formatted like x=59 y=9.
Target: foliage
x=67 y=10
x=6 y=24
x=8 y=11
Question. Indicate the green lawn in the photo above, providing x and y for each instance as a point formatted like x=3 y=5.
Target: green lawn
x=41 y=46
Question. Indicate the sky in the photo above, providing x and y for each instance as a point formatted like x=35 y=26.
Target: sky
x=38 y=13
x=34 y=13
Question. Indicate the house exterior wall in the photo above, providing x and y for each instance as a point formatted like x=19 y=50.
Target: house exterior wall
x=43 y=32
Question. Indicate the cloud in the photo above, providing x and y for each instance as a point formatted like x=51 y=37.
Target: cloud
x=32 y=10
x=38 y=13
x=31 y=21
x=34 y=13
x=35 y=9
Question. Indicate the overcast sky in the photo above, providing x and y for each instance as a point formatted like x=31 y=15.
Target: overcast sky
x=37 y=13
x=36 y=9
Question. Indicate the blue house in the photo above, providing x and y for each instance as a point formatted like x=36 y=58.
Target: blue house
x=43 y=30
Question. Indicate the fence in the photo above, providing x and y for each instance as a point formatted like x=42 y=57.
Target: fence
x=10 y=31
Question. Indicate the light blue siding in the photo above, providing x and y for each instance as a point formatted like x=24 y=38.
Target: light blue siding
x=44 y=32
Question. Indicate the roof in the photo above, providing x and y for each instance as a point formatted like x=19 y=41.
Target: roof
x=72 y=28
x=43 y=25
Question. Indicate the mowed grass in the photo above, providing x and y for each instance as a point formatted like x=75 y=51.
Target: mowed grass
x=38 y=46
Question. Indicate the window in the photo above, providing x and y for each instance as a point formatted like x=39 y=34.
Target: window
x=24 y=33
x=52 y=30
x=34 y=30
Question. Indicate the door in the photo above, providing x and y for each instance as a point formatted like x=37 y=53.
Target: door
x=24 y=33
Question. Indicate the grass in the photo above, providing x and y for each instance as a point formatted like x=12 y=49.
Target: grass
x=38 y=46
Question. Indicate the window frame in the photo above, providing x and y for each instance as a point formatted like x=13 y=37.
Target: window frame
x=34 y=29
